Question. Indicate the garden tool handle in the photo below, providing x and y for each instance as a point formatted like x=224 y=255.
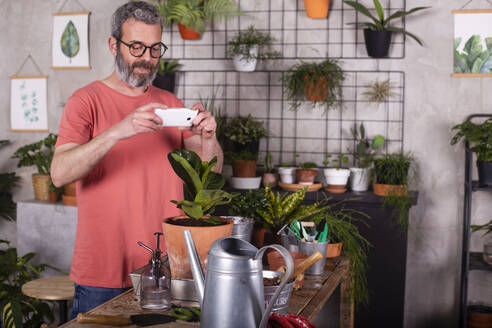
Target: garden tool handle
x=102 y=319
x=301 y=267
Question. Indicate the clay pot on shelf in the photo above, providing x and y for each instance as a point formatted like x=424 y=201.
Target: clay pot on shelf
x=54 y=197
x=336 y=180
x=187 y=33
x=287 y=174
x=389 y=190
x=334 y=250
x=270 y=179
x=316 y=90
x=306 y=176
x=41 y=185
x=244 y=168
x=317 y=8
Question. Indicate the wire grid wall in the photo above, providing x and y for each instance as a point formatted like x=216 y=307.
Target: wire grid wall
x=297 y=36
x=312 y=133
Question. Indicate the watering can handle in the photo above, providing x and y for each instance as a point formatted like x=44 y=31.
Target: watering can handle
x=290 y=269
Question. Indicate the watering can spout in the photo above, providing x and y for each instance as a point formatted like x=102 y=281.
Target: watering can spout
x=196 y=267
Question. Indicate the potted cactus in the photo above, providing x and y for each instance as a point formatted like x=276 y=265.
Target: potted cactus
x=202 y=193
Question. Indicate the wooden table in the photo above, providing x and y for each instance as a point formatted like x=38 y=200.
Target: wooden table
x=307 y=301
x=59 y=288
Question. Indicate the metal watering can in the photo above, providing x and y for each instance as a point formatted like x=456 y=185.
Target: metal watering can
x=232 y=293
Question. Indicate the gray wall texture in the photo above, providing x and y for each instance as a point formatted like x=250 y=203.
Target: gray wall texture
x=434 y=102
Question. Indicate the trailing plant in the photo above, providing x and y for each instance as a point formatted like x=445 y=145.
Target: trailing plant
x=285 y=208
x=400 y=206
x=355 y=247
x=323 y=80
x=202 y=187
x=19 y=310
x=195 y=13
x=244 y=134
x=247 y=204
x=378 y=92
x=244 y=41
x=480 y=137
x=364 y=150
x=335 y=162
x=168 y=66
x=473 y=58
x=487 y=227
x=381 y=22
x=37 y=154
x=8 y=181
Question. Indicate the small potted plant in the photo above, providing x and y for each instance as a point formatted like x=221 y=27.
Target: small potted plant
x=487 y=243
x=306 y=173
x=336 y=176
x=392 y=172
x=478 y=135
x=8 y=181
x=287 y=173
x=363 y=153
x=244 y=134
x=270 y=178
x=247 y=46
x=319 y=83
x=317 y=8
x=191 y=15
x=202 y=193
x=377 y=34
x=38 y=154
x=166 y=74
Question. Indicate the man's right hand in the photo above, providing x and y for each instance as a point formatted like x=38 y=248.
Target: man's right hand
x=141 y=120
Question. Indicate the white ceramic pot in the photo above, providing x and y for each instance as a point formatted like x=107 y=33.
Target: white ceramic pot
x=287 y=174
x=336 y=176
x=360 y=178
x=243 y=64
x=245 y=183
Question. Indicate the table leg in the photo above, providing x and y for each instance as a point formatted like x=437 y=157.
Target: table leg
x=63 y=311
x=346 y=304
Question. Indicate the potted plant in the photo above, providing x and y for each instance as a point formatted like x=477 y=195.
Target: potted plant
x=202 y=193
x=336 y=177
x=166 y=74
x=363 y=153
x=317 y=8
x=247 y=46
x=38 y=154
x=478 y=135
x=17 y=309
x=379 y=92
x=269 y=177
x=487 y=243
x=377 y=34
x=191 y=15
x=8 y=181
x=244 y=134
x=319 y=83
x=54 y=193
x=306 y=173
x=392 y=171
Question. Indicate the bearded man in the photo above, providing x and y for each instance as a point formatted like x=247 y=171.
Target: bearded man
x=113 y=145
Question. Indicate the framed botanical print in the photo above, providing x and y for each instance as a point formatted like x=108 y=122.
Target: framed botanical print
x=28 y=109
x=70 y=44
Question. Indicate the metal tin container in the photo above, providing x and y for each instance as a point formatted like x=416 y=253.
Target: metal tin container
x=309 y=247
x=243 y=227
x=281 y=306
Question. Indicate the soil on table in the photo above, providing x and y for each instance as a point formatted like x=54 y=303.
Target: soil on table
x=188 y=222
x=271 y=281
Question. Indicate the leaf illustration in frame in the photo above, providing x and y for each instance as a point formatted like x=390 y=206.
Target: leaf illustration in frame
x=70 y=43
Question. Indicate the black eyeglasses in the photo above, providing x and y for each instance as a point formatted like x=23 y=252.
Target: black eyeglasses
x=137 y=49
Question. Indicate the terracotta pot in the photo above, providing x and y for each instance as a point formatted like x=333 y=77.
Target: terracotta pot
x=306 y=176
x=316 y=90
x=187 y=33
x=53 y=197
x=317 y=8
x=270 y=179
x=258 y=237
x=479 y=316
x=203 y=238
x=275 y=260
x=41 y=185
x=69 y=189
x=244 y=168
x=334 y=250
x=336 y=189
x=389 y=190
x=69 y=200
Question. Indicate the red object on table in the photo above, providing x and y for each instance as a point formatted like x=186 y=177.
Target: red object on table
x=288 y=321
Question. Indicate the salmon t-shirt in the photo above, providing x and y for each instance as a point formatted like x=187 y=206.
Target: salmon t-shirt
x=126 y=196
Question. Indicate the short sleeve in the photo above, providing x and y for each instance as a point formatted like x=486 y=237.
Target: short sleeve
x=76 y=124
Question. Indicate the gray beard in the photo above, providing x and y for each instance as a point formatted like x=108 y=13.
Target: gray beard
x=125 y=73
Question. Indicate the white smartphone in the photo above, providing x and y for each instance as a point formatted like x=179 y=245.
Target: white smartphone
x=176 y=116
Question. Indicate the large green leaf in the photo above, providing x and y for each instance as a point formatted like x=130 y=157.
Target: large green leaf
x=185 y=169
x=12 y=315
x=379 y=11
x=210 y=198
x=363 y=10
x=400 y=13
x=487 y=65
x=70 y=43
x=192 y=209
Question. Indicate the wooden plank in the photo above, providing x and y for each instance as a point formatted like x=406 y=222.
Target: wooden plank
x=346 y=304
x=70 y=13
x=472 y=11
x=71 y=67
x=13 y=77
x=316 y=303
x=57 y=288
x=471 y=75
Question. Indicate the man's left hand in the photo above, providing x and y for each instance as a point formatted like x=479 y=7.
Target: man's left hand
x=204 y=123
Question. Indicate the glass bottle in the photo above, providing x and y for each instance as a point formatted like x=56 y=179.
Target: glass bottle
x=155 y=281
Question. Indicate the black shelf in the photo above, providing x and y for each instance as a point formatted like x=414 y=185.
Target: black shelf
x=477 y=187
x=477 y=262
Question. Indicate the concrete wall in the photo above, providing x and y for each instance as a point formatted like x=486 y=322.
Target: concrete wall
x=434 y=102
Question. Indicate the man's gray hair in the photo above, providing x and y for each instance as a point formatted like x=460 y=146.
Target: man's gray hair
x=138 y=10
